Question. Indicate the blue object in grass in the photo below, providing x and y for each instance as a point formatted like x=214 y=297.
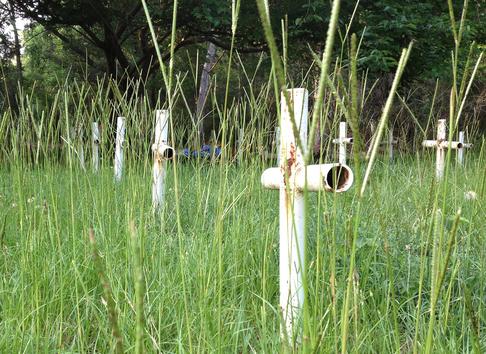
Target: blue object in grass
x=206 y=152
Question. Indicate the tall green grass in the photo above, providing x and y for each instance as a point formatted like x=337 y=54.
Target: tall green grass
x=396 y=264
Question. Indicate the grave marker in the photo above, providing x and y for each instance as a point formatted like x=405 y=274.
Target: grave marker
x=95 y=146
x=342 y=141
x=291 y=178
x=120 y=139
x=162 y=152
x=441 y=144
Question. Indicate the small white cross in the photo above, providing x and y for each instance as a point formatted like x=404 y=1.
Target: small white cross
x=441 y=144
x=342 y=141
x=291 y=178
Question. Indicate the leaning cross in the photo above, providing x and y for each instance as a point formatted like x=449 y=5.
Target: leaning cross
x=342 y=141
x=441 y=144
x=291 y=178
x=162 y=153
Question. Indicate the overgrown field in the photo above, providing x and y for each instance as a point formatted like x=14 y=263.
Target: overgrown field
x=207 y=266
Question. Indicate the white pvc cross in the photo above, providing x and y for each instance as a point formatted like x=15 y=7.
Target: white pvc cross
x=120 y=138
x=291 y=178
x=342 y=141
x=441 y=144
x=162 y=152
x=96 y=146
x=460 y=150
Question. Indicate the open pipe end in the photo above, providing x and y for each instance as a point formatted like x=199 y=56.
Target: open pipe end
x=339 y=178
x=163 y=151
x=460 y=145
x=168 y=153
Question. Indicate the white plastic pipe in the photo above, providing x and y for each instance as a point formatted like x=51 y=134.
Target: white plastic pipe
x=391 y=142
x=342 y=144
x=441 y=136
x=441 y=144
x=95 y=146
x=291 y=178
x=120 y=139
x=162 y=153
x=460 y=151
x=277 y=144
x=291 y=253
x=330 y=177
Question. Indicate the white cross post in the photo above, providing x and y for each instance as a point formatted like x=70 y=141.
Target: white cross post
x=120 y=138
x=162 y=153
x=291 y=178
x=391 y=141
x=441 y=144
x=342 y=141
x=277 y=144
x=95 y=146
x=460 y=151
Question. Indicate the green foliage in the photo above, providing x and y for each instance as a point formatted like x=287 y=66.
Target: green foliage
x=46 y=60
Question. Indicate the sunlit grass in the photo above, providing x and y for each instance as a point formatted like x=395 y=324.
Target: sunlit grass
x=51 y=296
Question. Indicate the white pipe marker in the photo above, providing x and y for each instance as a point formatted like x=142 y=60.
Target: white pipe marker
x=291 y=178
x=441 y=144
x=162 y=152
x=120 y=139
x=95 y=146
x=342 y=141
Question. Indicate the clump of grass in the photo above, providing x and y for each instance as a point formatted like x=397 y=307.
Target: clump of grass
x=108 y=295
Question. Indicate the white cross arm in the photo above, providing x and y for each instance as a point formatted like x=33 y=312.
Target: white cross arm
x=342 y=140
x=332 y=177
x=444 y=144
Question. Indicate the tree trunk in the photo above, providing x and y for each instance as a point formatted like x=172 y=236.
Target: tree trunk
x=18 y=59
x=204 y=88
